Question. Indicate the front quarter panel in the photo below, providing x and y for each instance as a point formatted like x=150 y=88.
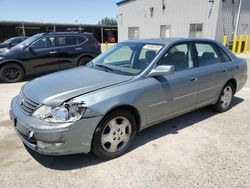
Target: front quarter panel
x=102 y=101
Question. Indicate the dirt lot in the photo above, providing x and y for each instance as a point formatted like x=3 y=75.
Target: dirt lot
x=199 y=149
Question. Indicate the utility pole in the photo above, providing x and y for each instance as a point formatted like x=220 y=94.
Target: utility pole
x=238 y=18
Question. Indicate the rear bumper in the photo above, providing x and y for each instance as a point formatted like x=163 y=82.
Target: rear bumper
x=75 y=137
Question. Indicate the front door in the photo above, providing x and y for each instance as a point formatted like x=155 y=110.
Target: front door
x=44 y=55
x=174 y=94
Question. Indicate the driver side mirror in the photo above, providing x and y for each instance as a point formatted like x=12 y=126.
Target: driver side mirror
x=162 y=70
x=31 y=48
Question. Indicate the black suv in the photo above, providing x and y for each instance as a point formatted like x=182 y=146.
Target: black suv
x=48 y=52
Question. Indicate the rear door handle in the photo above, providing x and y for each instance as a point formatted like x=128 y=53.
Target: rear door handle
x=78 y=49
x=52 y=52
x=193 y=79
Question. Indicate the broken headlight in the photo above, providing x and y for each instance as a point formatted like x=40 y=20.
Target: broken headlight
x=67 y=112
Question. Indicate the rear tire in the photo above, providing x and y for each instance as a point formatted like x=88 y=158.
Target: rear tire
x=11 y=72
x=224 y=102
x=84 y=60
x=114 y=134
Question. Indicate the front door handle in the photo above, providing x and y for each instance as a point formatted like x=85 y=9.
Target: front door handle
x=193 y=79
x=78 y=49
x=52 y=52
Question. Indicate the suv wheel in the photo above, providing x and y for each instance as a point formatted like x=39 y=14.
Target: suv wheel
x=224 y=102
x=84 y=60
x=11 y=73
x=114 y=134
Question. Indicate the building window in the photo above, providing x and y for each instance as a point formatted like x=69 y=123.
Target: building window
x=165 y=31
x=133 y=33
x=195 y=31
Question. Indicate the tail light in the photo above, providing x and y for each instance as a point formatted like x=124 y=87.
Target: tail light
x=97 y=45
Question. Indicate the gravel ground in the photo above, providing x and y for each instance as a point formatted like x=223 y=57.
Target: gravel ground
x=199 y=149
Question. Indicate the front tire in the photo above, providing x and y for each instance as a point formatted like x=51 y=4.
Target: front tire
x=11 y=73
x=224 y=102
x=114 y=134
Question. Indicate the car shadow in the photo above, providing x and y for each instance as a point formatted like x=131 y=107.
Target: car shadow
x=77 y=161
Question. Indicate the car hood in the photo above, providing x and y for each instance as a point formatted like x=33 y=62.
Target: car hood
x=54 y=89
x=2 y=50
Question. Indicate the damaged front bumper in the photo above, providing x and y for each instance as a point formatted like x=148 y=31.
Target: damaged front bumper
x=46 y=138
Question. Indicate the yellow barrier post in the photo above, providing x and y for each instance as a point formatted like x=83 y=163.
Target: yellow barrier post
x=240 y=44
x=106 y=46
x=234 y=43
x=246 y=44
x=225 y=40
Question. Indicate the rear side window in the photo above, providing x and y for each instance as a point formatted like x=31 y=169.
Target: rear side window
x=80 y=39
x=224 y=56
x=69 y=40
x=209 y=54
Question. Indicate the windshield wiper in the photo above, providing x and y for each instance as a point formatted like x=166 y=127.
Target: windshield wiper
x=105 y=67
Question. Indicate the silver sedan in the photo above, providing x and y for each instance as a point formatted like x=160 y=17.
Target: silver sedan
x=134 y=85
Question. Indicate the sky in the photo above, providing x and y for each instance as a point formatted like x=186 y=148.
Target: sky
x=57 y=11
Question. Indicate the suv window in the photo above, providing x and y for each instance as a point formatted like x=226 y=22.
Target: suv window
x=80 y=39
x=209 y=54
x=69 y=40
x=46 y=42
x=179 y=56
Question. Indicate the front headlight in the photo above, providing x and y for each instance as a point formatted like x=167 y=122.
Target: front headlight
x=68 y=112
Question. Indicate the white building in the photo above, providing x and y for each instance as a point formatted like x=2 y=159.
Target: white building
x=182 y=18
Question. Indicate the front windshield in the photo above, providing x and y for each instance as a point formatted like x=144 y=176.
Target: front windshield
x=127 y=58
x=27 y=42
x=7 y=41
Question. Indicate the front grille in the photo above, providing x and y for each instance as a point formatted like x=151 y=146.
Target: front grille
x=27 y=105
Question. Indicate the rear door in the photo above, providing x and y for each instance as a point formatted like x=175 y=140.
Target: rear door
x=213 y=71
x=69 y=49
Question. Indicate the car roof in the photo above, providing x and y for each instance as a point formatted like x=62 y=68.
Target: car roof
x=68 y=33
x=167 y=41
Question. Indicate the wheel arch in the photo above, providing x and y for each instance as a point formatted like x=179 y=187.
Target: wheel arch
x=129 y=108
x=233 y=82
x=13 y=62
x=85 y=55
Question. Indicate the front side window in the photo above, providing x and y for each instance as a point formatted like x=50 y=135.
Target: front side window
x=179 y=56
x=46 y=42
x=127 y=58
x=208 y=54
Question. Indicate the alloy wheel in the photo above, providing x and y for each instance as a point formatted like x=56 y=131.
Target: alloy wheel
x=12 y=73
x=226 y=97
x=116 y=134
